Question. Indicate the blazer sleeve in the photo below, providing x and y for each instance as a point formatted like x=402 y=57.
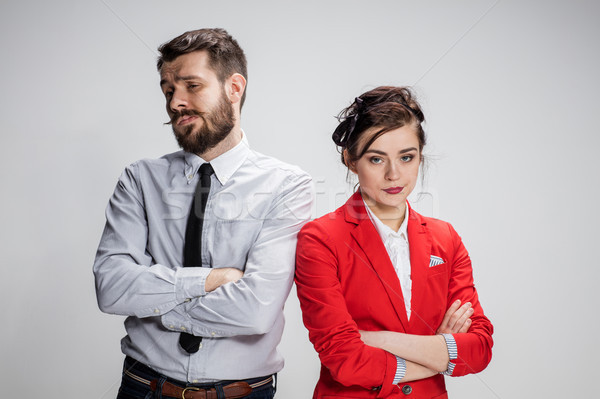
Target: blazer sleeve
x=474 y=348
x=331 y=328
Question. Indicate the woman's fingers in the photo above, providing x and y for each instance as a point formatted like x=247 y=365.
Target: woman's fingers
x=457 y=318
x=445 y=322
x=465 y=326
x=464 y=321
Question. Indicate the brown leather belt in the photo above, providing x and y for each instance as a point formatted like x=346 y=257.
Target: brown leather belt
x=234 y=390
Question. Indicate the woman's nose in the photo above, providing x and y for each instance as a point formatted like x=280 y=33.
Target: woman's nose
x=392 y=172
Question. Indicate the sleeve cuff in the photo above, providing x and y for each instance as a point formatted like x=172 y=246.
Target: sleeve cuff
x=400 y=370
x=190 y=283
x=452 y=353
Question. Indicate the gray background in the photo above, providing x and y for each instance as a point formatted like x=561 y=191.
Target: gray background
x=510 y=92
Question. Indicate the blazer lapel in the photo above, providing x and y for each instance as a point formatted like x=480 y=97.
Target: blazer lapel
x=377 y=258
x=420 y=250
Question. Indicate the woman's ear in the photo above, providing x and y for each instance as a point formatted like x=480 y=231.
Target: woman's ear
x=349 y=164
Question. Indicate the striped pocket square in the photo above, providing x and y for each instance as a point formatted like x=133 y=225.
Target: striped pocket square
x=435 y=261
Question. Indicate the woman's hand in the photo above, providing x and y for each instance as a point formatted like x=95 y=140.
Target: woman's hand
x=373 y=338
x=457 y=319
x=429 y=351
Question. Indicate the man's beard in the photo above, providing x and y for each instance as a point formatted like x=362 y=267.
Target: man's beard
x=217 y=124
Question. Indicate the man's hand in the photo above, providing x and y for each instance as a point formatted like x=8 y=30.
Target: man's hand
x=457 y=319
x=224 y=275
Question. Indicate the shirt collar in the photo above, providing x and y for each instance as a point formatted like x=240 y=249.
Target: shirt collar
x=385 y=231
x=225 y=165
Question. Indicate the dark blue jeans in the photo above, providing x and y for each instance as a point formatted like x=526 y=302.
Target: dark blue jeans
x=131 y=388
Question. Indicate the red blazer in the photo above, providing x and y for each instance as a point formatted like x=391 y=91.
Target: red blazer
x=346 y=282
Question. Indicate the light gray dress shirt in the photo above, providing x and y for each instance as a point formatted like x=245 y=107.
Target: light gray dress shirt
x=255 y=209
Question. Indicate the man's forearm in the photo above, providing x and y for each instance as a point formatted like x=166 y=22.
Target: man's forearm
x=220 y=276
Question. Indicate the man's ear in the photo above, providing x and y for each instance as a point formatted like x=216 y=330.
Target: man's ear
x=236 y=84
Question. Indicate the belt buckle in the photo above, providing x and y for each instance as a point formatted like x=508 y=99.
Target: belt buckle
x=188 y=389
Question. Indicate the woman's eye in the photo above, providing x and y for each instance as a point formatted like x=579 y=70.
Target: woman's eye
x=376 y=160
x=407 y=158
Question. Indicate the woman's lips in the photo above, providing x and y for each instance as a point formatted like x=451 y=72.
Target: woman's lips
x=393 y=190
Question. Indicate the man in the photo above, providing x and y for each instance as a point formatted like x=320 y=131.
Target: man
x=209 y=330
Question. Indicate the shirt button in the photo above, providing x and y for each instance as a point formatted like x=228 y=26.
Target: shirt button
x=213 y=333
x=182 y=328
x=156 y=311
x=190 y=176
x=407 y=389
x=171 y=326
x=195 y=381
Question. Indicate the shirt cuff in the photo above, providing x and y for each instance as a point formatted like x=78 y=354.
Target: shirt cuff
x=452 y=353
x=190 y=282
x=400 y=370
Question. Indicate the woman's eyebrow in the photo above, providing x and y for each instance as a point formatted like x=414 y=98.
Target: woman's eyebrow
x=407 y=150
x=385 y=153
x=376 y=152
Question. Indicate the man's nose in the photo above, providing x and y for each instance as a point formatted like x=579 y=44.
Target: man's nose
x=178 y=102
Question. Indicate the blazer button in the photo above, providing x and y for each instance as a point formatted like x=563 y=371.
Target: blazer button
x=407 y=389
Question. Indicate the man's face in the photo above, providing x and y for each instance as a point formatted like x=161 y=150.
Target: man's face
x=199 y=110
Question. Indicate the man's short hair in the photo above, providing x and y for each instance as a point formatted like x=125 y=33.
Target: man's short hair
x=225 y=55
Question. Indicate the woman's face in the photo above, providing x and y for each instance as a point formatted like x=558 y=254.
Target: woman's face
x=388 y=170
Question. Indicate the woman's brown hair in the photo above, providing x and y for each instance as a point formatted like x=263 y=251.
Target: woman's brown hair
x=386 y=108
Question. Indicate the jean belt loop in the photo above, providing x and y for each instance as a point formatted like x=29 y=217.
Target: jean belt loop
x=158 y=393
x=220 y=392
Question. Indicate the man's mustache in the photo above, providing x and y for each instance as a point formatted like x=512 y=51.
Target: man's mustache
x=182 y=113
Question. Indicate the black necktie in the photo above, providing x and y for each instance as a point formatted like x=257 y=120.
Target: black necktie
x=192 y=250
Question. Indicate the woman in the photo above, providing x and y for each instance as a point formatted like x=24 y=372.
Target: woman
x=387 y=295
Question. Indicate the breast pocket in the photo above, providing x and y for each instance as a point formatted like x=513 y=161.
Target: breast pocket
x=441 y=269
x=438 y=280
